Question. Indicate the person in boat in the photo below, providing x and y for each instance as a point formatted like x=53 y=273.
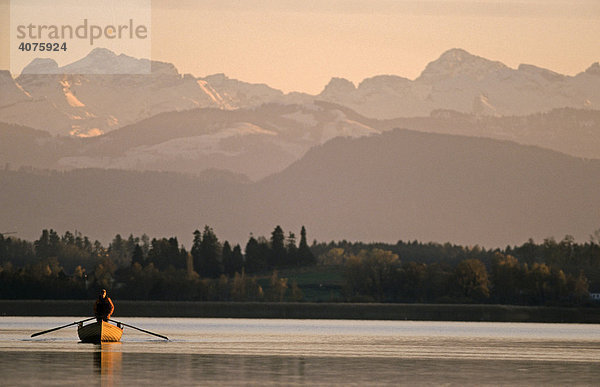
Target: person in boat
x=104 y=307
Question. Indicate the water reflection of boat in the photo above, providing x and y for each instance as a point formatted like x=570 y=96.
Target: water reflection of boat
x=99 y=332
x=107 y=362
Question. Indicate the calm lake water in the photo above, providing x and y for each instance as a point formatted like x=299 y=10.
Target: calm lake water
x=302 y=352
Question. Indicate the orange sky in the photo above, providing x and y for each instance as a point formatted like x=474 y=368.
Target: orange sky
x=300 y=44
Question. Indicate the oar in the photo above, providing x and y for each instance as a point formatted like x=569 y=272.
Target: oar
x=141 y=330
x=64 y=326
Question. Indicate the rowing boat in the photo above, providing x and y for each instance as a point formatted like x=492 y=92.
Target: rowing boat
x=99 y=332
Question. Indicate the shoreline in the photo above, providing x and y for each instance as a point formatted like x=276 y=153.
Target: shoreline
x=285 y=310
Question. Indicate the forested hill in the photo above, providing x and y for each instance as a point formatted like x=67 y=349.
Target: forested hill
x=412 y=185
x=397 y=185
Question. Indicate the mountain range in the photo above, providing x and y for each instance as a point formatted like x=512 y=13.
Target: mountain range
x=253 y=142
x=68 y=103
x=261 y=141
x=470 y=152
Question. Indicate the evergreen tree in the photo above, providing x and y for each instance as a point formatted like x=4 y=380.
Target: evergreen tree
x=4 y=249
x=48 y=245
x=182 y=259
x=87 y=245
x=55 y=244
x=16 y=251
x=255 y=255
x=156 y=255
x=237 y=259
x=292 y=250
x=278 y=254
x=130 y=245
x=117 y=251
x=210 y=254
x=305 y=256
x=68 y=238
x=138 y=255
x=165 y=253
x=80 y=241
x=195 y=251
x=72 y=254
x=227 y=259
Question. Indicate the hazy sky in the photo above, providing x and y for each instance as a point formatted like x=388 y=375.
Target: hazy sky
x=301 y=44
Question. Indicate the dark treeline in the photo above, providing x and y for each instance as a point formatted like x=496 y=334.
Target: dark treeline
x=70 y=266
x=550 y=273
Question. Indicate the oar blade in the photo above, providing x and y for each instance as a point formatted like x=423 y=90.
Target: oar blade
x=51 y=330
x=61 y=327
x=142 y=330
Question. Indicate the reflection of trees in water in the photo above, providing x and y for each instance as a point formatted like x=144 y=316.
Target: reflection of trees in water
x=222 y=369
x=154 y=368
x=107 y=363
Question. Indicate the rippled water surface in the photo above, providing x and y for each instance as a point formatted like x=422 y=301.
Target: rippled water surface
x=300 y=352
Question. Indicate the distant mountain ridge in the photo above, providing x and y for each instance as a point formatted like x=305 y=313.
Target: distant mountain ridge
x=265 y=140
x=98 y=61
x=254 y=142
x=92 y=104
x=385 y=187
x=247 y=157
x=469 y=84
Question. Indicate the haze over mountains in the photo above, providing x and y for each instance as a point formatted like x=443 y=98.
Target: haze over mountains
x=247 y=157
x=265 y=140
x=256 y=142
x=398 y=185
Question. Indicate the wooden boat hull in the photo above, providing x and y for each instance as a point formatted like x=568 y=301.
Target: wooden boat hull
x=99 y=332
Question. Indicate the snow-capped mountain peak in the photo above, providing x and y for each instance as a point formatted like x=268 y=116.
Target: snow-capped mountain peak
x=458 y=62
x=98 y=100
x=104 y=61
x=98 y=61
